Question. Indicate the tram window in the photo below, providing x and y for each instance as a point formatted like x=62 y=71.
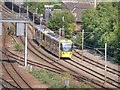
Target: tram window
x=61 y=47
x=66 y=47
x=43 y=36
x=56 y=47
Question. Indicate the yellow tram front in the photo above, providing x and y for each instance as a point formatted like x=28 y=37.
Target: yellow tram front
x=66 y=47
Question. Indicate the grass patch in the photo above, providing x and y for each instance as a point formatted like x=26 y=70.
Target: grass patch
x=11 y=31
x=54 y=80
x=18 y=47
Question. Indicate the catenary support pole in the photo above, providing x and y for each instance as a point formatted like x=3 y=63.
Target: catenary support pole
x=36 y=10
x=59 y=42
x=26 y=45
x=82 y=43
x=40 y=33
x=27 y=12
x=95 y=3
x=105 y=62
x=33 y=27
x=1 y=38
x=63 y=29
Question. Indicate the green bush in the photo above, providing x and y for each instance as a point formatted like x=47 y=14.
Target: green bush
x=18 y=47
x=103 y=22
x=11 y=31
x=57 y=6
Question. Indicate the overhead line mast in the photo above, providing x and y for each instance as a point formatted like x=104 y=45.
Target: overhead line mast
x=95 y=3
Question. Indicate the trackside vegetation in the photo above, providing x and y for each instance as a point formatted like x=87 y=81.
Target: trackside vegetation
x=40 y=5
x=55 y=21
x=11 y=31
x=18 y=47
x=102 y=21
x=54 y=80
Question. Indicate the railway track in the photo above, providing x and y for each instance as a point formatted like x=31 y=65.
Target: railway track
x=83 y=70
x=92 y=72
x=95 y=75
x=114 y=73
x=97 y=64
x=4 y=82
x=51 y=58
x=19 y=81
x=71 y=63
x=54 y=60
x=45 y=59
x=34 y=63
x=8 y=68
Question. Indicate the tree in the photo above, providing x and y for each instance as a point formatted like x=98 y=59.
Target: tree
x=69 y=30
x=40 y=5
x=103 y=22
x=57 y=6
x=55 y=22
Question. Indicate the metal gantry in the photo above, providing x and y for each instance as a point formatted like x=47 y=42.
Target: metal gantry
x=19 y=21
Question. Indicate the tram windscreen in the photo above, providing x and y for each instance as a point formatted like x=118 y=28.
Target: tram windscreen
x=67 y=47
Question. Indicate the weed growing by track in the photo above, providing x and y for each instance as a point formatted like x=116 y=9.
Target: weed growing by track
x=18 y=47
x=54 y=80
x=11 y=31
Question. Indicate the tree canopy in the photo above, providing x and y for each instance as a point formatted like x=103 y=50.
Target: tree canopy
x=55 y=22
x=40 y=5
x=103 y=22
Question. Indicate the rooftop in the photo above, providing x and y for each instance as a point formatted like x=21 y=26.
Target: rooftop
x=77 y=8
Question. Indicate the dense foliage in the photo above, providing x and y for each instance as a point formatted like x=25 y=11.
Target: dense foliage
x=55 y=22
x=40 y=5
x=103 y=22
